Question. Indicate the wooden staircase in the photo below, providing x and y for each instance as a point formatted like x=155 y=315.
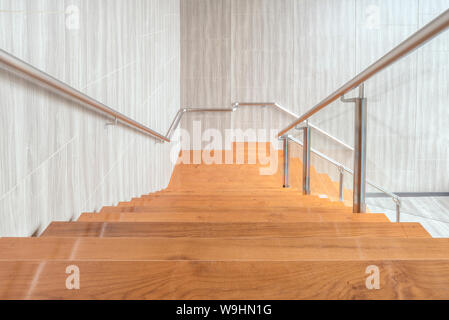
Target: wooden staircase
x=227 y=232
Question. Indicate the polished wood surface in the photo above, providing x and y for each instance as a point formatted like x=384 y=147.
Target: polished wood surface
x=207 y=208
x=223 y=249
x=224 y=216
x=228 y=232
x=246 y=230
x=236 y=202
x=218 y=280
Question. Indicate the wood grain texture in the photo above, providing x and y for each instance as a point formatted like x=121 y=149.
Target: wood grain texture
x=223 y=249
x=270 y=280
x=244 y=230
x=223 y=216
x=236 y=209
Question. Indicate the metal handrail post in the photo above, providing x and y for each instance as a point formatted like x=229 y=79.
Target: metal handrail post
x=286 y=160
x=341 y=172
x=359 y=200
x=397 y=202
x=306 y=159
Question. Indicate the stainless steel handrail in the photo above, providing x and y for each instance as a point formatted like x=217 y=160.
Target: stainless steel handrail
x=339 y=165
x=236 y=106
x=28 y=70
x=23 y=68
x=265 y=104
x=288 y=112
x=175 y=123
x=428 y=32
x=340 y=142
x=178 y=117
x=396 y=199
x=17 y=65
x=275 y=105
x=43 y=78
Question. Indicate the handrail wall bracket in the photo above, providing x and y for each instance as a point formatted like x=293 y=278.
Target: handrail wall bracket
x=114 y=122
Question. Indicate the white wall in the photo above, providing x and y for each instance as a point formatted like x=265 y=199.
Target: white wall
x=296 y=52
x=58 y=159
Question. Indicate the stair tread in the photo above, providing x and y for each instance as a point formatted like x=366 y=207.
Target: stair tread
x=206 y=208
x=214 y=230
x=224 y=280
x=212 y=208
x=231 y=217
x=223 y=249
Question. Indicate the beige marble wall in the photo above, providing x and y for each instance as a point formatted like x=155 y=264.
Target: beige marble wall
x=57 y=158
x=296 y=52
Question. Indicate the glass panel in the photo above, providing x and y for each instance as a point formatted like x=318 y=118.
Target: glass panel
x=380 y=202
x=407 y=133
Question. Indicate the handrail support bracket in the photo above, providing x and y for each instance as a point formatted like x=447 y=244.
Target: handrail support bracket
x=112 y=123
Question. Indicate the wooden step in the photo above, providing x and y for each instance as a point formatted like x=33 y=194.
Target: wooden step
x=213 y=209
x=269 y=197
x=225 y=280
x=226 y=203
x=232 y=217
x=246 y=230
x=179 y=268
x=281 y=201
x=166 y=204
x=242 y=191
x=238 y=199
x=223 y=249
x=231 y=194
